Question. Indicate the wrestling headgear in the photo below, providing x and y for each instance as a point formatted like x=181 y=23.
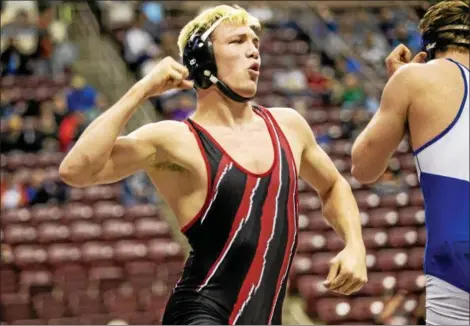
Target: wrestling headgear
x=431 y=41
x=198 y=57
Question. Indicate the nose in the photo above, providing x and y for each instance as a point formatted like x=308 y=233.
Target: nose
x=253 y=52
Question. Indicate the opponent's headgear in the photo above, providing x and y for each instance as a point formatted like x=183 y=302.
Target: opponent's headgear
x=431 y=42
x=198 y=57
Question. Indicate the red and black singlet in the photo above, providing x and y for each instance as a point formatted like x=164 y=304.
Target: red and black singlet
x=243 y=239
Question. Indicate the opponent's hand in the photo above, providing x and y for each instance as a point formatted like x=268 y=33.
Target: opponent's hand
x=401 y=56
x=165 y=75
x=348 y=271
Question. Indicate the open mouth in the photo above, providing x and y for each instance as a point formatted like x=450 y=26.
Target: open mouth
x=254 y=67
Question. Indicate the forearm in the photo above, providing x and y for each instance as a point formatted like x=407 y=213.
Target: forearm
x=93 y=148
x=340 y=209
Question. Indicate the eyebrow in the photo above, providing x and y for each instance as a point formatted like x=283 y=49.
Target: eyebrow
x=255 y=38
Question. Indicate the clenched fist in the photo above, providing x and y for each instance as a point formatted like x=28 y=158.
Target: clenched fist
x=400 y=56
x=348 y=271
x=167 y=74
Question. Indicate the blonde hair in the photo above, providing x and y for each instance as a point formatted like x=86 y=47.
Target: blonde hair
x=203 y=21
x=453 y=12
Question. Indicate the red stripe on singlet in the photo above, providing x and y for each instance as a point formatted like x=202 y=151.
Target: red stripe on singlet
x=254 y=274
x=241 y=217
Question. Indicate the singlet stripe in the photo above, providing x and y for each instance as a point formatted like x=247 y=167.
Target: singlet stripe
x=255 y=271
x=241 y=218
x=224 y=166
x=209 y=179
x=292 y=232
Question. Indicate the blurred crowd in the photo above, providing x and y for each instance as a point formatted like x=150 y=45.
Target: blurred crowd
x=44 y=106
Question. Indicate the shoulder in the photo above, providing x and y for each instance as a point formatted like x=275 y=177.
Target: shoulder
x=292 y=121
x=414 y=76
x=161 y=133
x=290 y=118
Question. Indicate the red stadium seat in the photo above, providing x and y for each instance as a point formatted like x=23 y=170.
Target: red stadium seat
x=16 y=215
x=363 y=309
x=125 y=250
x=15 y=306
x=311 y=286
x=117 y=229
x=412 y=281
x=382 y=217
x=85 y=231
x=45 y=213
x=95 y=251
x=402 y=237
x=141 y=210
x=311 y=241
x=122 y=300
x=50 y=232
x=62 y=253
x=334 y=310
x=316 y=222
x=422 y=236
x=8 y=280
x=107 y=210
x=148 y=227
x=163 y=249
x=28 y=255
x=375 y=238
x=84 y=303
x=75 y=211
x=378 y=284
x=19 y=233
x=49 y=305
x=71 y=278
x=39 y=277
x=392 y=259
x=412 y=215
x=416 y=258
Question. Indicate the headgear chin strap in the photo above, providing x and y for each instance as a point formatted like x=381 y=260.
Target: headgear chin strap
x=431 y=42
x=198 y=57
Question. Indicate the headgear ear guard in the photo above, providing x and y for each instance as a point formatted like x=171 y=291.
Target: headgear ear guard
x=199 y=59
x=431 y=42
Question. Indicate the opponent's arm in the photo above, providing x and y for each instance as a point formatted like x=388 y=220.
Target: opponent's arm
x=99 y=156
x=376 y=144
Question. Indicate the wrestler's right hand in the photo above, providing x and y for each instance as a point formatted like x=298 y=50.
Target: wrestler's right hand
x=165 y=75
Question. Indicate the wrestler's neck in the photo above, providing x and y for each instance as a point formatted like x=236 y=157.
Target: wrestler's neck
x=214 y=108
x=459 y=56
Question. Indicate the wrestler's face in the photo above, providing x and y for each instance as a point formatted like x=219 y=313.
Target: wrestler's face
x=236 y=50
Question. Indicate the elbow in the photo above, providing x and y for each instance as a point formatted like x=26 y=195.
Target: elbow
x=72 y=176
x=363 y=174
x=360 y=169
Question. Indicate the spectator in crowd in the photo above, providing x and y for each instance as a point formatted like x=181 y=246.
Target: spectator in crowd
x=41 y=191
x=81 y=96
x=13 y=194
x=139 y=46
x=20 y=43
x=374 y=48
x=137 y=189
x=69 y=129
x=353 y=95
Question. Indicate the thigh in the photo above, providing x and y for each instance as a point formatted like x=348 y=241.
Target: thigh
x=445 y=303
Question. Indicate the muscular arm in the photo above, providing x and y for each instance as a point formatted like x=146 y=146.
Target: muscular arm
x=338 y=203
x=100 y=156
x=377 y=143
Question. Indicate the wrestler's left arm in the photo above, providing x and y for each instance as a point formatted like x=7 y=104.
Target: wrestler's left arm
x=378 y=141
x=348 y=272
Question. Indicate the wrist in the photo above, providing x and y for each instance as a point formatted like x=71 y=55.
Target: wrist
x=356 y=244
x=141 y=90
